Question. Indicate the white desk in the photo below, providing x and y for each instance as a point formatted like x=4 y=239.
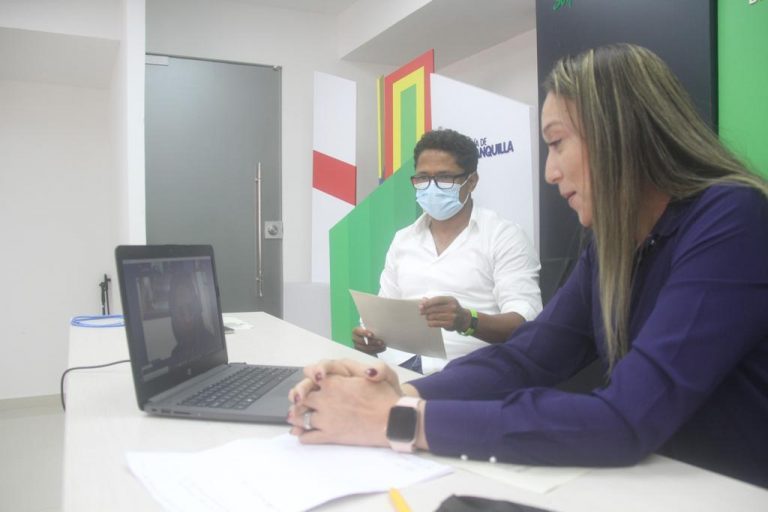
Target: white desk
x=103 y=422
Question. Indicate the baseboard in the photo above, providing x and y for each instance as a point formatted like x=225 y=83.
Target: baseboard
x=29 y=402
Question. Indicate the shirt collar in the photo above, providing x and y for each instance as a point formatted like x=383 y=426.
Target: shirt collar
x=422 y=223
x=672 y=217
x=473 y=217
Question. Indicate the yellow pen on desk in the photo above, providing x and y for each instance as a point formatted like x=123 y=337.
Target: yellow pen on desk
x=398 y=501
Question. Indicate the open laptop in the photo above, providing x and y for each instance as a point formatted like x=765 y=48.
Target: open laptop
x=176 y=341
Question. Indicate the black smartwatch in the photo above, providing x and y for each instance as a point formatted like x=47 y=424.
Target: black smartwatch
x=403 y=423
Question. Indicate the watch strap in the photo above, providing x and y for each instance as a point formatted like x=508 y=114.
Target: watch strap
x=472 y=323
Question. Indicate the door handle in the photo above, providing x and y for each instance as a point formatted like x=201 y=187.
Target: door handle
x=259 y=275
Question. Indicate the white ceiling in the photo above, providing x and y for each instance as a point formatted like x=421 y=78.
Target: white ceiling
x=319 y=6
x=455 y=29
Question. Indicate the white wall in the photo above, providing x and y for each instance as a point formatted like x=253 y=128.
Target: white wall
x=60 y=174
x=55 y=208
x=508 y=69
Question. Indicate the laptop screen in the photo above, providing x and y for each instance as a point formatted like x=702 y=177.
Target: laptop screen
x=172 y=314
x=176 y=300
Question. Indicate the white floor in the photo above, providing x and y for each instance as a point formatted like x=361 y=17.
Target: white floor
x=31 y=454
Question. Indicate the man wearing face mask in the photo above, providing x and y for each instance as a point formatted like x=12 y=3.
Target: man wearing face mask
x=475 y=272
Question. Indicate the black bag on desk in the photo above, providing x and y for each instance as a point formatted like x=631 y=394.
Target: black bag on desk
x=476 y=504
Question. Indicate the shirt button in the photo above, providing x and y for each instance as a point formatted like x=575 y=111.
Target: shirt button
x=464 y=456
x=492 y=460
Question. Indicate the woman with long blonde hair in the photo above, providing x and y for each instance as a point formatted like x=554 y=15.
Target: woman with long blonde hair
x=670 y=294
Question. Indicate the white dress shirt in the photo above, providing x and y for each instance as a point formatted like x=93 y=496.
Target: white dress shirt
x=491 y=267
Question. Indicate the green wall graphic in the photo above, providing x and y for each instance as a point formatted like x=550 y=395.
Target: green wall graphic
x=742 y=48
x=359 y=243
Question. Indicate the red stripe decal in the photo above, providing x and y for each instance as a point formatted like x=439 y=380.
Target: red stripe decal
x=334 y=177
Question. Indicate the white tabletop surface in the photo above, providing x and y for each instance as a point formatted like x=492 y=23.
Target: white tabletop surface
x=103 y=422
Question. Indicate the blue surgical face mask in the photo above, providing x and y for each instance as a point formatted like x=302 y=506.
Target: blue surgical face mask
x=441 y=203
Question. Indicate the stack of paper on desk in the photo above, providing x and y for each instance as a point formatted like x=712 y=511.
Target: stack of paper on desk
x=399 y=324
x=279 y=474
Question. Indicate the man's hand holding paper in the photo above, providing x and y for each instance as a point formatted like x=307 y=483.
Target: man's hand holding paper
x=445 y=312
x=399 y=324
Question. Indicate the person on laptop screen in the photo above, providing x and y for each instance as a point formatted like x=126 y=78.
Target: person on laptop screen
x=189 y=328
x=476 y=272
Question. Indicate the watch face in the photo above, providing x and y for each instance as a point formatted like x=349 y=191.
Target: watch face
x=402 y=424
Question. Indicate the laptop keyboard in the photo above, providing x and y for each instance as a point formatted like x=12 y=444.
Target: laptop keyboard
x=240 y=389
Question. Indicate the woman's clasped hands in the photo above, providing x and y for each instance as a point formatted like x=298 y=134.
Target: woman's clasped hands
x=343 y=402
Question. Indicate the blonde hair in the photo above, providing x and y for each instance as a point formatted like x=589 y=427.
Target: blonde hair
x=640 y=128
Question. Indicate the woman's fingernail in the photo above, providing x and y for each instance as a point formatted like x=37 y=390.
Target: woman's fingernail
x=296 y=398
x=318 y=377
x=371 y=372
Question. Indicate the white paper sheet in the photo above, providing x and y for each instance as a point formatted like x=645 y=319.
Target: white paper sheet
x=257 y=474
x=541 y=479
x=236 y=323
x=399 y=324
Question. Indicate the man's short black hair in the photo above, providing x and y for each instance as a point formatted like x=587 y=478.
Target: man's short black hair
x=461 y=147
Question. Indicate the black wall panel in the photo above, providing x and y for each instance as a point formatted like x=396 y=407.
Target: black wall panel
x=682 y=32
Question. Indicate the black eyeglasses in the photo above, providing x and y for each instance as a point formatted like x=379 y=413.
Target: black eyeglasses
x=445 y=181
